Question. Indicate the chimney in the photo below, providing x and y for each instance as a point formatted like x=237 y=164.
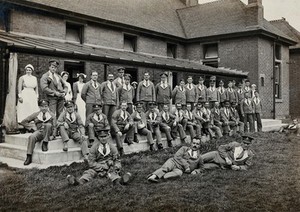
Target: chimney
x=254 y=12
x=190 y=3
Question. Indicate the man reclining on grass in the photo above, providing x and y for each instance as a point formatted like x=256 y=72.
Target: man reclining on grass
x=103 y=162
x=186 y=159
x=293 y=128
x=236 y=156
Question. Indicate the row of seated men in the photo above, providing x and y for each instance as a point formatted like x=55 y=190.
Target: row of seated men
x=200 y=121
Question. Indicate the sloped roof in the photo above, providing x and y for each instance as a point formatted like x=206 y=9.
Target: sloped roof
x=286 y=28
x=100 y=54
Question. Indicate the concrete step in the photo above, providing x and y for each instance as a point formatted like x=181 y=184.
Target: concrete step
x=266 y=122
x=272 y=128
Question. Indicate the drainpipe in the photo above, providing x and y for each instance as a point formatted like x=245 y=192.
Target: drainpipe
x=274 y=87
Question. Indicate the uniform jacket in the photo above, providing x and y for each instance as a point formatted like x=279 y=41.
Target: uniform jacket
x=145 y=93
x=90 y=94
x=183 y=158
x=38 y=119
x=109 y=95
x=119 y=82
x=74 y=125
x=231 y=151
x=232 y=95
x=226 y=117
x=240 y=95
x=216 y=114
x=140 y=119
x=235 y=114
x=126 y=95
x=156 y=118
x=167 y=117
x=213 y=94
x=202 y=93
x=118 y=120
x=179 y=115
x=200 y=116
x=191 y=94
x=257 y=105
x=222 y=94
x=247 y=106
x=163 y=95
x=247 y=89
x=179 y=95
x=190 y=117
x=98 y=124
x=49 y=88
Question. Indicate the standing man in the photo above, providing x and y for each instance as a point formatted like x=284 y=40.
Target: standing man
x=120 y=80
x=191 y=92
x=179 y=94
x=202 y=95
x=163 y=91
x=212 y=94
x=127 y=93
x=122 y=123
x=45 y=122
x=222 y=93
x=153 y=121
x=91 y=93
x=247 y=87
x=71 y=126
x=109 y=96
x=54 y=88
x=236 y=115
x=231 y=93
x=247 y=110
x=257 y=110
x=240 y=97
x=146 y=92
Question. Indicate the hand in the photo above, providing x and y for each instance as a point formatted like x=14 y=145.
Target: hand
x=228 y=161
x=126 y=127
x=119 y=134
x=52 y=137
x=66 y=125
x=235 y=167
x=20 y=99
x=187 y=170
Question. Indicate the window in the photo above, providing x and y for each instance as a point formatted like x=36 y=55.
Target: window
x=130 y=43
x=171 y=50
x=277 y=52
x=277 y=78
x=73 y=68
x=211 y=55
x=74 y=32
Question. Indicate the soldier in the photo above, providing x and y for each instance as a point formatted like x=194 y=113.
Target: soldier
x=253 y=90
x=247 y=87
x=191 y=92
x=180 y=121
x=96 y=121
x=71 y=126
x=153 y=120
x=240 y=97
x=91 y=93
x=54 y=88
x=179 y=93
x=231 y=93
x=199 y=115
x=208 y=124
x=235 y=156
x=120 y=80
x=122 y=123
x=222 y=93
x=227 y=118
x=293 y=128
x=45 y=122
x=192 y=126
x=140 y=124
x=202 y=93
x=103 y=162
x=257 y=110
x=212 y=94
x=168 y=120
x=127 y=93
x=236 y=115
x=163 y=91
x=146 y=92
x=109 y=96
x=186 y=160
x=247 y=110
x=216 y=114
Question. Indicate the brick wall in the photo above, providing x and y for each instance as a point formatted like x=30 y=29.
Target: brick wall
x=37 y=24
x=151 y=46
x=294 y=84
x=194 y=52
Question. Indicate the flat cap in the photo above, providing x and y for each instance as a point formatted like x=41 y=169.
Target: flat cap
x=54 y=61
x=164 y=74
x=43 y=102
x=97 y=106
x=69 y=103
x=247 y=139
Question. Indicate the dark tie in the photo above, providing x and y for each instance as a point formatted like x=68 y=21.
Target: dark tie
x=112 y=87
x=127 y=87
x=167 y=116
x=104 y=149
x=95 y=84
x=44 y=116
x=152 y=115
x=70 y=115
x=99 y=118
x=54 y=79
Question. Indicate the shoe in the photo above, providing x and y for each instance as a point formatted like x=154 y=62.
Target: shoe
x=126 y=178
x=152 y=179
x=121 y=152
x=117 y=182
x=160 y=146
x=45 y=146
x=170 y=144
x=65 y=148
x=86 y=158
x=135 y=139
x=28 y=160
x=72 y=180
x=129 y=142
x=152 y=147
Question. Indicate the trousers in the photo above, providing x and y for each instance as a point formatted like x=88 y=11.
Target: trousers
x=169 y=170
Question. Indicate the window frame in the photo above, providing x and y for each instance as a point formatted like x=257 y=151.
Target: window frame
x=79 y=28
x=173 y=49
x=210 y=61
x=132 y=39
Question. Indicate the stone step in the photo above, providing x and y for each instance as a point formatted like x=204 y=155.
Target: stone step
x=266 y=122
x=272 y=128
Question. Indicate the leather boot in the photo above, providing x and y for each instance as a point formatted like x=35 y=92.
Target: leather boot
x=45 y=146
x=65 y=148
x=152 y=147
x=160 y=146
x=170 y=144
x=136 y=140
x=28 y=160
x=121 y=151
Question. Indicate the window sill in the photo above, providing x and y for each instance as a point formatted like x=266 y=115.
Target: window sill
x=278 y=100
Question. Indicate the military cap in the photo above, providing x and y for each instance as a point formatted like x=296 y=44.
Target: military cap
x=69 y=103
x=54 y=61
x=152 y=103
x=121 y=68
x=97 y=106
x=221 y=82
x=201 y=79
x=199 y=103
x=127 y=76
x=43 y=102
x=139 y=104
x=178 y=104
x=164 y=74
x=102 y=132
x=213 y=78
x=247 y=139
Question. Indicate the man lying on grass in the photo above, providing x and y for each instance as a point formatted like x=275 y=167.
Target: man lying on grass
x=186 y=159
x=103 y=162
x=293 y=128
x=235 y=156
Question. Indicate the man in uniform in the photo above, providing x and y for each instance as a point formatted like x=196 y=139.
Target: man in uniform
x=120 y=80
x=192 y=126
x=127 y=93
x=231 y=93
x=179 y=93
x=216 y=114
x=71 y=126
x=293 y=128
x=257 y=110
x=96 y=121
x=208 y=124
x=212 y=94
x=191 y=92
x=235 y=156
x=240 y=97
x=236 y=115
x=163 y=91
x=247 y=110
x=153 y=120
x=186 y=160
x=202 y=95
x=247 y=88
x=45 y=122
x=146 y=92
x=222 y=93
x=91 y=93
x=54 y=88
x=109 y=96
x=122 y=123
x=103 y=162
x=227 y=118
x=180 y=121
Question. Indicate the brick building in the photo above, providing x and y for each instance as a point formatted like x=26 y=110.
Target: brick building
x=294 y=65
x=226 y=38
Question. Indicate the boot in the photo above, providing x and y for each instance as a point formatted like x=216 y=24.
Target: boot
x=152 y=178
x=73 y=181
x=135 y=139
x=28 y=160
x=152 y=147
x=117 y=182
x=170 y=144
x=45 y=146
x=121 y=151
x=65 y=148
x=160 y=146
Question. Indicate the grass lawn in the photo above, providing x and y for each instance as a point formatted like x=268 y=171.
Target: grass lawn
x=272 y=184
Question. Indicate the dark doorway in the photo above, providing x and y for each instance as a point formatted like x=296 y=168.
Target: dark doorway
x=73 y=68
x=175 y=79
x=133 y=72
